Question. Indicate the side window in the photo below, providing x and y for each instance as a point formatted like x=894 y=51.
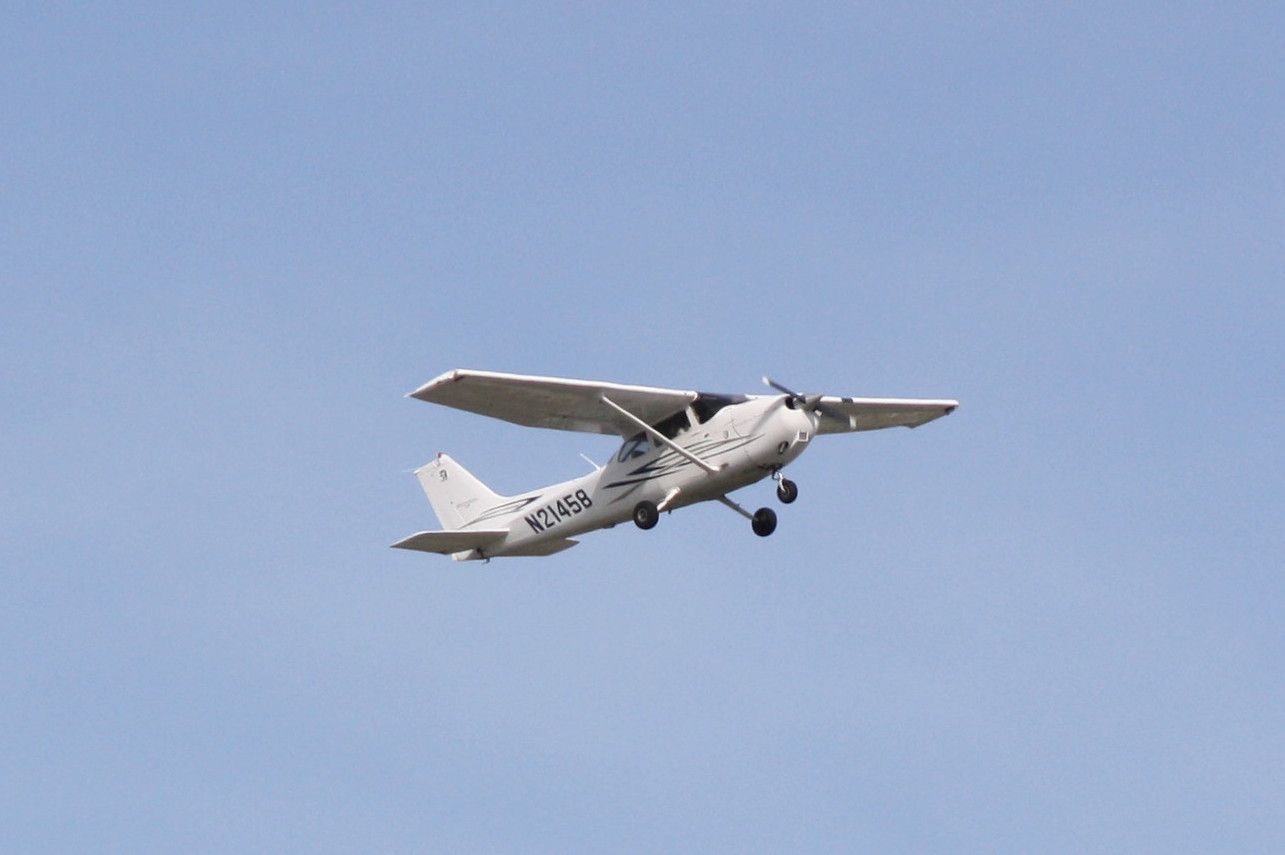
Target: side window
x=674 y=425
x=635 y=446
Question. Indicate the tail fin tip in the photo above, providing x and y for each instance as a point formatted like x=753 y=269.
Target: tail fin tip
x=455 y=494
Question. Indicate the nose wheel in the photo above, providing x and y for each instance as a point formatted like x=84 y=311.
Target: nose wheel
x=787 y=491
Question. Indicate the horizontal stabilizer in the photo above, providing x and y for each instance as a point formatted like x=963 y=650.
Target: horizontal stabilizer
x=543 y=547
x=448 y=542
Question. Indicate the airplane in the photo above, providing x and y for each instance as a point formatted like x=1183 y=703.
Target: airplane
x=679 y=447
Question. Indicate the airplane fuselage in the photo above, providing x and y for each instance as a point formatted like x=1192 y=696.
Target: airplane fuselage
x=743 y=442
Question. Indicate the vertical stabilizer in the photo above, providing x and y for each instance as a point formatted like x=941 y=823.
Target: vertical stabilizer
x=455 y=494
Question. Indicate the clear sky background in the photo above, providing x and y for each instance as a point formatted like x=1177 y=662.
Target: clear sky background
x=232 y=237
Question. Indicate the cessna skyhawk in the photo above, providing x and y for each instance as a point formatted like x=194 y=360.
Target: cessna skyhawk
x=680 y=447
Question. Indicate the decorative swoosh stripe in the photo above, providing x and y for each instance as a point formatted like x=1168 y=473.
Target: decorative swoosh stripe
x=503 y=510
x=671 y=461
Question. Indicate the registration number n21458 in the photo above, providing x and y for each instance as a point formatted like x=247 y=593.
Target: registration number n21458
x=563 y=509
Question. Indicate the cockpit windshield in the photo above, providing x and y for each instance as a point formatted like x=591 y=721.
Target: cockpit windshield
x=707 y=405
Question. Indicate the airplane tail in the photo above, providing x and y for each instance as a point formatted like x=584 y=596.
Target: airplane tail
x=457 y=496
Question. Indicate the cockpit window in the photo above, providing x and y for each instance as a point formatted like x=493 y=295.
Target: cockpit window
x=636 y=446
x=704 y=408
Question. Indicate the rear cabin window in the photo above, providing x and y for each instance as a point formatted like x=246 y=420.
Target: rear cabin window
x=636 y=446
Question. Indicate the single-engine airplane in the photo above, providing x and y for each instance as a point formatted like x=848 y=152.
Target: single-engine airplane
x=680 y=447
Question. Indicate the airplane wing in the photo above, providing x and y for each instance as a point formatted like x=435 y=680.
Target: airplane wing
x=552 y=402
x=447 y=542
x=840 y=415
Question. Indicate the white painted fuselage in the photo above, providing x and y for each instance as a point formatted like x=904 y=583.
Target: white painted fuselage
x=743 y=442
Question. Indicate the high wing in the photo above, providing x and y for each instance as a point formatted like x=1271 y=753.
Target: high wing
x=841 y=415
x=552 y=402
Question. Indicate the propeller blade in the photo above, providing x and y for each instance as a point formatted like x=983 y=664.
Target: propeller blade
x=784 y=390
x=794 y=399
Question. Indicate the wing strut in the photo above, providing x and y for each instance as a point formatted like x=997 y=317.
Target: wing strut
x=660 y=437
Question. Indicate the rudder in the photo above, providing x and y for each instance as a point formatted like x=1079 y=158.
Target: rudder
x=456 y=495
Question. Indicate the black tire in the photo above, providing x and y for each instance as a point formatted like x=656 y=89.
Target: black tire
x=787 y=491
x=764 y=522
x=645 y=515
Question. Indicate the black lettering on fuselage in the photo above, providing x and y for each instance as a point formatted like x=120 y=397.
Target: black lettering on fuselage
x=564 y=508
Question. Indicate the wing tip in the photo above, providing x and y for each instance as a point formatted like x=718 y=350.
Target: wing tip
x=423 y=393
x=947 y=408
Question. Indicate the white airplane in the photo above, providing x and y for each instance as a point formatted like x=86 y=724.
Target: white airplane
x=680 y=448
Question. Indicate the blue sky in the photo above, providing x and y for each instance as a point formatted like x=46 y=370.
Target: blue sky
x=234 y=237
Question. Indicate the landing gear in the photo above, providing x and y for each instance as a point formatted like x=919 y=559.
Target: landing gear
x=787 y=491
x=763 y=522
x=646 y=515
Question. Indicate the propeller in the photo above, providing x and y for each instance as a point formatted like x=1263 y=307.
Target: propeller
x=793 y=399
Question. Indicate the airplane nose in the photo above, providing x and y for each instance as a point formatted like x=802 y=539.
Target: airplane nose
x=807 y=421
x=796 y=432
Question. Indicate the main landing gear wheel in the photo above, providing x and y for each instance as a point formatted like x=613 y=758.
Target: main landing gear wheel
x=763 y=521
x=645 y=515
x=787 y=491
